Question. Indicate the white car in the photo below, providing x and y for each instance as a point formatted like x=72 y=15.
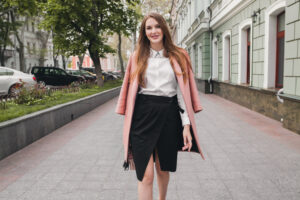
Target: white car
x=11 y=80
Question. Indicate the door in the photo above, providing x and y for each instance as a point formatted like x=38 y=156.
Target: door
x=61 y=77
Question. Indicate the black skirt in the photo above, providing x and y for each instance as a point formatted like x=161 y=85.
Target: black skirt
x=156 y=124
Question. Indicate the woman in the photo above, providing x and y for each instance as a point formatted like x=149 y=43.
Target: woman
x=158 y=98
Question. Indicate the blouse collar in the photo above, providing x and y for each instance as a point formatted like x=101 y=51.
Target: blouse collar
x=156 y=54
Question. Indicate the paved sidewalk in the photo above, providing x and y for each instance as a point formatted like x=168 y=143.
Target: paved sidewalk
x=248 y=157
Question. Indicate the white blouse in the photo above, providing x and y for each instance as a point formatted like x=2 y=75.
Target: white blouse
x=160 y=80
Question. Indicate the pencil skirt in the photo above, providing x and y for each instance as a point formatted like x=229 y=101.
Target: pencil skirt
x=156 y=124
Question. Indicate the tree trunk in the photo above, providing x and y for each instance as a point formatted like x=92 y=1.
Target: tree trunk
x=96 y=60
x=2 y=61
x=81 y=60
x=5 y=42
x=21 y=56
x=43 y=38
x=63 y=61
x=120 y=54
x=20 y=49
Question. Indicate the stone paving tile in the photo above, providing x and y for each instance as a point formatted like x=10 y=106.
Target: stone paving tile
x=248 y=156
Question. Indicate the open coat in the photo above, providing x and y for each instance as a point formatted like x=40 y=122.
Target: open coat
x=126 y=101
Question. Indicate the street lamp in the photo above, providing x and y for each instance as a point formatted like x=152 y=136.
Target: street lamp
x=218 y=36
x=255 y=15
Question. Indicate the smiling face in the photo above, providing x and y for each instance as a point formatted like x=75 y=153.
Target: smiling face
x=153 y=31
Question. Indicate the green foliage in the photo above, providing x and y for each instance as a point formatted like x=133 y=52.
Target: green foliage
x=3 y=105
x=57 y=97
x=87 y=85
x=79 y=25
x=33 y=96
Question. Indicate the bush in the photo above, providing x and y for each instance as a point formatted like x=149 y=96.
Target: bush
x=32 y=96
x=3 y=105
x=87 y=85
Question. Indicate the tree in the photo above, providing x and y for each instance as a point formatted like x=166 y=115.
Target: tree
x=13 y=10
x=5 y=32
x=43 y=38
x=125 y=24
x=81 y=25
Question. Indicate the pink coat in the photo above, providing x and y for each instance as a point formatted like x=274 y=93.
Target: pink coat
x=126 y=101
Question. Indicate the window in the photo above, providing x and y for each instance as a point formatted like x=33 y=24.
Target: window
x=32 y=26
x=36 y=71
x=215 y=59
x=280 y=50
x=2 y=72
x=274 y=45
x=196 y=64
x=59 y=72
x=248 y=57
x=226 y=56
x=33 y=47
x=9 y=72
x=28 y=47
x=27 y=25
x=6 y=72
x=199 y=61
x=47 y=71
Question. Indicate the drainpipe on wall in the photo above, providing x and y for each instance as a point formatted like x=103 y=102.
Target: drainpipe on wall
x=210 y=81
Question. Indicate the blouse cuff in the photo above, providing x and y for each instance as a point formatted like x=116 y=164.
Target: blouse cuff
x=184 y=116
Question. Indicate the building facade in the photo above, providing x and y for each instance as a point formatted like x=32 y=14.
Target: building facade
x=247 y=51
x=110 y=63
x=38 y=47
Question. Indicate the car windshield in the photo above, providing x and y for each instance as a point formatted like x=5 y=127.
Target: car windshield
x=2 y=72
x=76 y=72
x=85 y=72
x=60 y=72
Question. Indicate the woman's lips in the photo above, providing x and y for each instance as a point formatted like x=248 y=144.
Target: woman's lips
x=155 y=37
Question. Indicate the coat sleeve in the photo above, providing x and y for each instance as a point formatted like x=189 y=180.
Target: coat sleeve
x=121 y=104
x=193 y=87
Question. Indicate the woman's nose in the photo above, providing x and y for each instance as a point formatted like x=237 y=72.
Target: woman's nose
x=154 y=30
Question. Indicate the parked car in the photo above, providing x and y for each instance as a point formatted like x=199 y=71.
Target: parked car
x=12 y=80
x=54 y=76
x=114 y=75
x=105 y=76
x=118 y=74
x=90 y=69
x=85 y=74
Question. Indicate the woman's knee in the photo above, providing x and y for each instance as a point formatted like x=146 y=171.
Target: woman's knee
x=149 y=172
x=148 y=178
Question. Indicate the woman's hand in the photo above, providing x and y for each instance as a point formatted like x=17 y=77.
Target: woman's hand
x=187 y=138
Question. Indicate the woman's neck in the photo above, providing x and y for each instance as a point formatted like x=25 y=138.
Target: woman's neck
x=157 y=47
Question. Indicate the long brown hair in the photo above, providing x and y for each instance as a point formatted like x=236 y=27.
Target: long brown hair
x=170 y=50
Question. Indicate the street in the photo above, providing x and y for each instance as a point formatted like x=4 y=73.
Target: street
x=248 y=156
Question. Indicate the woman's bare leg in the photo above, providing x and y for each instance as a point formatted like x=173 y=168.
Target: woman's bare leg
x=162 y=179
x=145 y=187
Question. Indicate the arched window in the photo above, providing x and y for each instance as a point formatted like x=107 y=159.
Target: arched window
x=274 y=44
x=244 y=67
x=226 y=56
x=215 y=59
x=200 y=63
x=280 y=50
